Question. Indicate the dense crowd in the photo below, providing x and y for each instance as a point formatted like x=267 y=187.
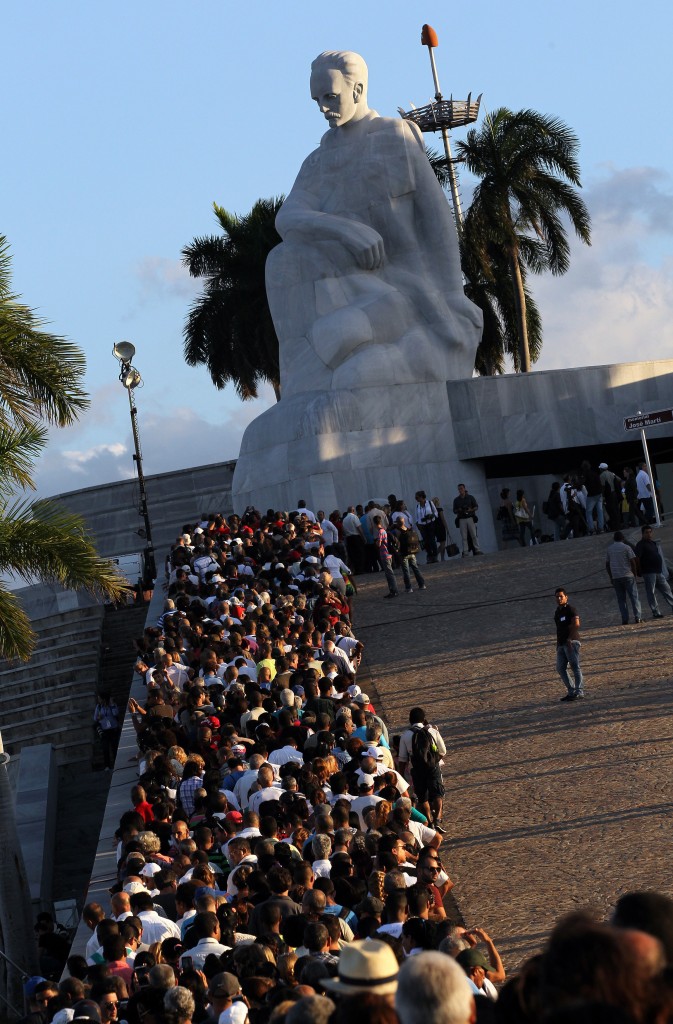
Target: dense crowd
x=279 y=861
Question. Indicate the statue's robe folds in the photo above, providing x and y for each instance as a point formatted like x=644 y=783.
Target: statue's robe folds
x=340 y=326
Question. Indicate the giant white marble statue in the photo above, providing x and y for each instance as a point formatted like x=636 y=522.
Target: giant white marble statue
x=366 y=287
x=367 y=299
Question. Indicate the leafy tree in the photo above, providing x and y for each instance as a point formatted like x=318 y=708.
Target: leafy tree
x=521 y=160
x=229 y=327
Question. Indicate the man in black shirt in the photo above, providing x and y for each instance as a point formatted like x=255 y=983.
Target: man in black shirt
x=568 y=645
x=653 y=569
x=464 y=508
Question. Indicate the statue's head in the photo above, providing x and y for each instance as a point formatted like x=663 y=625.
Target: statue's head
x=339 y=86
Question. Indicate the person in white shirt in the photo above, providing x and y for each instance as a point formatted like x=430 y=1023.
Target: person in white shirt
x=365 y=799
x=329 y=531
x=155 y=928
x=286 y=753
x=303 y=511
x=645 y=496
x=207 y=927
x=336 y=568
x=267 y=791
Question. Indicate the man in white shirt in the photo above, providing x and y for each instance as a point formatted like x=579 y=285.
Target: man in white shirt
x=303 y=511
x=247 y=780
x=645 y=496
x=365 y=799
x=329 y=531
x=267 y=791
x=286 y=753
x=355 y=540
x=207 y=927
x=155 y=928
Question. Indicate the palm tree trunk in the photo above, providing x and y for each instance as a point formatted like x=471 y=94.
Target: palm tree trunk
x=17 y=938
x=520 y=304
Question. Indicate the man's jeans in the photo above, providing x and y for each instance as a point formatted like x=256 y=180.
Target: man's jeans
x=657 y=581
x=595 y=501
x=387 y=566
x=569 y=654
x=626 y=585
x=409 y=562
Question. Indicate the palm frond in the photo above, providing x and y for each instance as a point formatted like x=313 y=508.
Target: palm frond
x=42 y=540
x=17 y=638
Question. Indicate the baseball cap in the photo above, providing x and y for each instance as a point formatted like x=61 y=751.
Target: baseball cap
x=361 y=698
x=86 y=1009
x=224 y=984
x=374 y=752
x=468 y=958
x=367 y=781
x=603 y=465
x=234 y=816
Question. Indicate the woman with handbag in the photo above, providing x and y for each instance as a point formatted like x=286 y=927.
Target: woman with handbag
x=523 y=518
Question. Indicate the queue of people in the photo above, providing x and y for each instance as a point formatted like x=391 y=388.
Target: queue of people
x=594 y=500
x=281 y=860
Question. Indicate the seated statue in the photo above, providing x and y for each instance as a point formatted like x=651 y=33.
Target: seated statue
x=366 y=287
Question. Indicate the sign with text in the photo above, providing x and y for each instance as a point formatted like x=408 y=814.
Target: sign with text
x=648 y=419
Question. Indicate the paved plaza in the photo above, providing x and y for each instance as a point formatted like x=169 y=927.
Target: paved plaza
x=550 y=807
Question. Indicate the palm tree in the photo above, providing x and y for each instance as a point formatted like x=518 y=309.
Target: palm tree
x=488 y=285
x=40 y=373
x=521 y=160
x=40 y=383
x=229 y=328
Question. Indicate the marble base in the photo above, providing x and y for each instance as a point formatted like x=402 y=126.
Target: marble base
x=336 y=448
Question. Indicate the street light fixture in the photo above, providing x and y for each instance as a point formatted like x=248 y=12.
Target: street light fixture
x=124 y=351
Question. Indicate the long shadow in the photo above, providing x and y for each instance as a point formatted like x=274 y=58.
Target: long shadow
x=561 y=827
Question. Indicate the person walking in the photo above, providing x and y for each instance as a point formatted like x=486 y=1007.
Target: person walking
x=653 y=569
x=385 y=557
x=567 y=621
x=621 y=566
x=464 y=508
x=409 y=548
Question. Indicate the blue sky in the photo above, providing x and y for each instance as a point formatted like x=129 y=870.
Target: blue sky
x=122 y=123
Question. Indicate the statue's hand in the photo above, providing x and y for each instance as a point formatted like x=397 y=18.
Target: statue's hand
x=366 y=245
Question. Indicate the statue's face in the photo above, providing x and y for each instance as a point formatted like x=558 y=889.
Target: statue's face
x=336 y=97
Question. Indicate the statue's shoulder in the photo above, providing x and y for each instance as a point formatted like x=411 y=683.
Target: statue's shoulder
x=405 y=131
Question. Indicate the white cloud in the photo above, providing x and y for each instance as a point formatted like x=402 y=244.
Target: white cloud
x=160 y=277
x=78 y=461
x=615 y=304
x=182 y=438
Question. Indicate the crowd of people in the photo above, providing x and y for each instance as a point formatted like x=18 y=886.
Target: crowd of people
x=281 y=858
x=594 y=500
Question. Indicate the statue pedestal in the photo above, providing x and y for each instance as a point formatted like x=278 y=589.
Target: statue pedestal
x=338 y=448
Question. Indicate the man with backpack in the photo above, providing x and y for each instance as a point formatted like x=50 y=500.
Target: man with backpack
x=421 y=750
x=409 y=546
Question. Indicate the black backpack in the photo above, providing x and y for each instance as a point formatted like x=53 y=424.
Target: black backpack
x=393 y=542
x=424 y=753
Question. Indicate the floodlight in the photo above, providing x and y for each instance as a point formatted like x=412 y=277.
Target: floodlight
x=124 y=351
x=132 y=379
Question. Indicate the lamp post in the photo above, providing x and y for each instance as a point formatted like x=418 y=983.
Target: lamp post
x=124 y=351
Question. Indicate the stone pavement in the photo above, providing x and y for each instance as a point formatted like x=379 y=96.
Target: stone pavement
x=550 y=807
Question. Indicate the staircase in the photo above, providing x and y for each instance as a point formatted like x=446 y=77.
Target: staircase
x=117 y=657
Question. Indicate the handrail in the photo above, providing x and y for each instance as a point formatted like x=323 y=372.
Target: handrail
x=24 y=974
x=11 y=1006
